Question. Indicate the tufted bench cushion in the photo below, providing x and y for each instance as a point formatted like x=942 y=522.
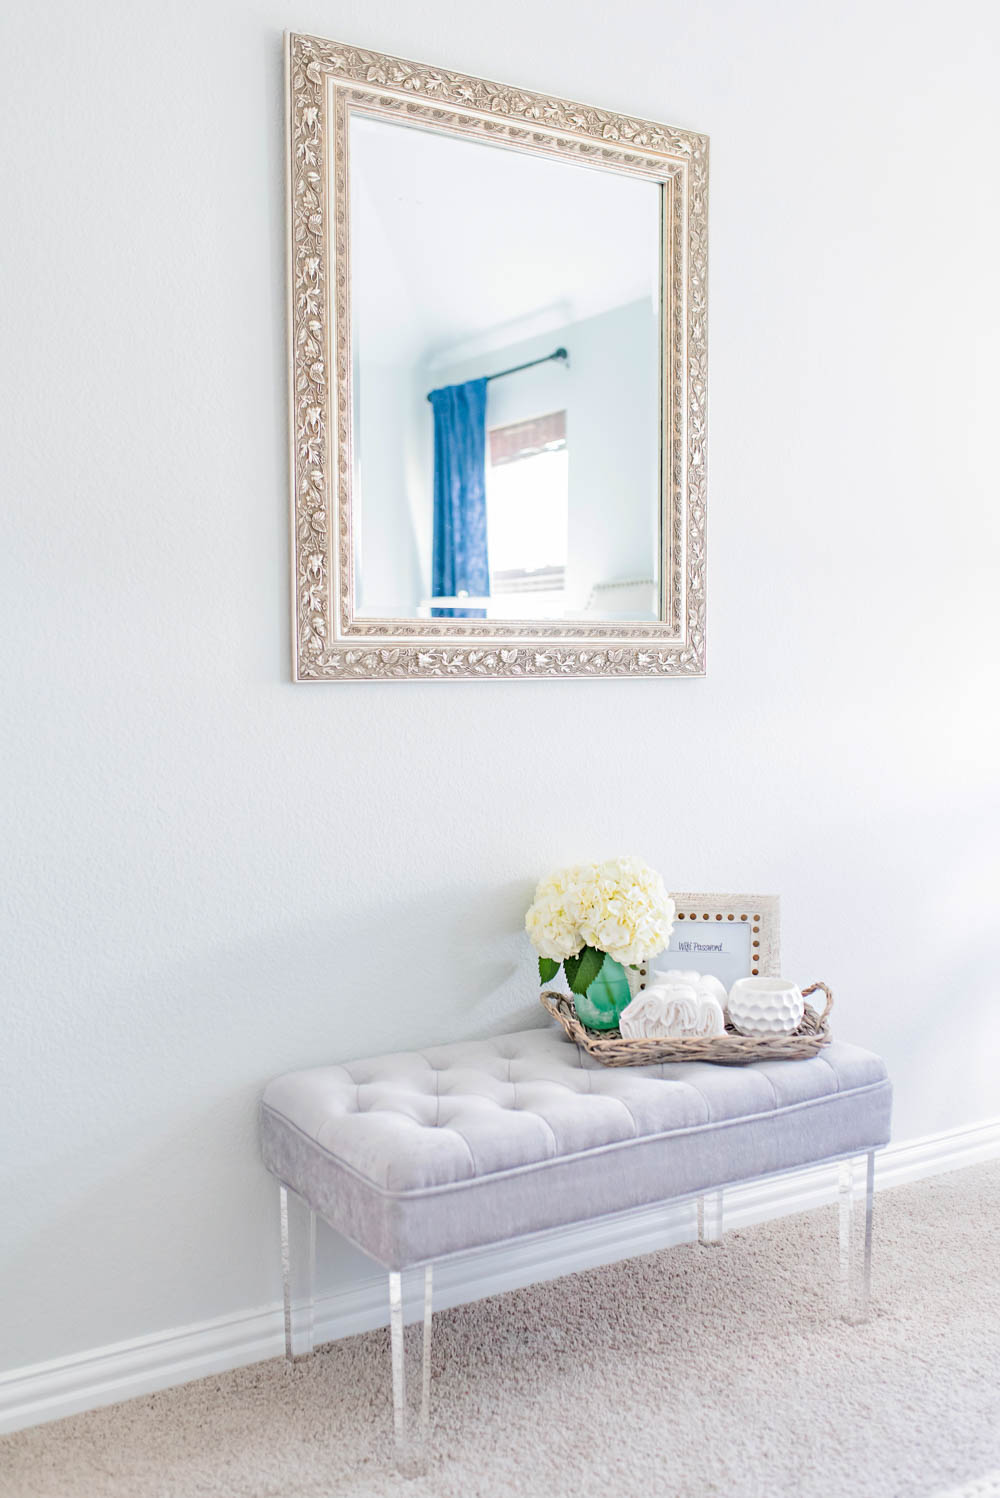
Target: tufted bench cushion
x=427 y=1153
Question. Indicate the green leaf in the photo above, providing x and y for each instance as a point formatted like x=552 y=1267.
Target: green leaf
x=582 y=969
x=547 y=969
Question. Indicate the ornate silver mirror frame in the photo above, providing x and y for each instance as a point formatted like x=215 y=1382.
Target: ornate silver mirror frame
x=326 y=81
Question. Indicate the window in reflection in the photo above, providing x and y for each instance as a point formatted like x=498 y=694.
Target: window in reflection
x=527 y=512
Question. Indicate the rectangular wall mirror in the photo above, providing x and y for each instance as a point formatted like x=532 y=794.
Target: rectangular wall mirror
x=498 y=346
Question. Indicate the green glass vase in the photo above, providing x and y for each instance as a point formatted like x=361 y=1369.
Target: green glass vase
x=606 y=997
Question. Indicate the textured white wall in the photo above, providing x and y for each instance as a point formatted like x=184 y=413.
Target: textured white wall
x=215 y=875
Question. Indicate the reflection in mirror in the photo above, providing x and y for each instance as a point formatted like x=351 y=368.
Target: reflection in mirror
x=506 y=341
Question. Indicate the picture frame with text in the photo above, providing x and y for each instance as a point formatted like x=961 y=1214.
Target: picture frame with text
x=728 y=935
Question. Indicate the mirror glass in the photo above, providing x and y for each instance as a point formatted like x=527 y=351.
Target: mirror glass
x=506 y=347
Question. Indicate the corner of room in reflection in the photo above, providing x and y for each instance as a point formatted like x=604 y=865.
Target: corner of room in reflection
x=506 y=352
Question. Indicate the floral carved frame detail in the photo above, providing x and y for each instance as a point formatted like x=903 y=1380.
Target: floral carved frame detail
x=326 y=80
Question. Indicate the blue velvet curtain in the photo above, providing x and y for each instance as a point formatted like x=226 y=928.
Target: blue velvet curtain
x=460 y=559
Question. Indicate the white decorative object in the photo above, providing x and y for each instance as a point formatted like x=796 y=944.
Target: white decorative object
x=765 y=1006
x=705 y=984
x=674 y=1010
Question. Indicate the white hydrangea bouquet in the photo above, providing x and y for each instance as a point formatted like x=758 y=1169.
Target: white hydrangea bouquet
x=596 y=920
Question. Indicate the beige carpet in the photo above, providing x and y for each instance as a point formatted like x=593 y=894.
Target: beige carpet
x=697 y=1371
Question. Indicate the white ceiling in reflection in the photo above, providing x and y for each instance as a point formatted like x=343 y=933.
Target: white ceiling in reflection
x=430 y=247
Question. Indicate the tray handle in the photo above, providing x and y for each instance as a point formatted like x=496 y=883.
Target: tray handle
x=829 y=999
x=549 y=998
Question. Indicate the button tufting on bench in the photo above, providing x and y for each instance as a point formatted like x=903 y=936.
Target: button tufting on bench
x=418 y=1154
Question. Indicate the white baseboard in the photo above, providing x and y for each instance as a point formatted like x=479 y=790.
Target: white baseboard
x=105 y=1375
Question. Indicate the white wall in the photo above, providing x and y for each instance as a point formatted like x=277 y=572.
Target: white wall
x=215 y=875
x=393 y=494
x=388 y=575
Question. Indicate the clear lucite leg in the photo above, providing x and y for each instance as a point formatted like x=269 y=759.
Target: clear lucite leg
x=857 y=1187
x=410 y=1312
x=710 y=1218
x=298 y=1264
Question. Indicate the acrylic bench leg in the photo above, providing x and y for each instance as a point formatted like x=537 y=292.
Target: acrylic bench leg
x=857 y=1189
x=710 y=1218
x=298 y=1264
x=410 y=1291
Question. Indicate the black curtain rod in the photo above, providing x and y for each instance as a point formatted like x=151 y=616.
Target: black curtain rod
x=560 y=353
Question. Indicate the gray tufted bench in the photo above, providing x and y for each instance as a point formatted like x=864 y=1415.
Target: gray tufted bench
x=428 y=1154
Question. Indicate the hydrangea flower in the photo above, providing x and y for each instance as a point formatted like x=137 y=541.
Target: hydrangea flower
x=620 y=907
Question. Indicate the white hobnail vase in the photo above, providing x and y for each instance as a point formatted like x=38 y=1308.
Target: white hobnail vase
x=765 y=1006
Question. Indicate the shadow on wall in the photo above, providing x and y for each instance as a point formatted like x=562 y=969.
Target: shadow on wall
x=418 y=967
x=422 y=969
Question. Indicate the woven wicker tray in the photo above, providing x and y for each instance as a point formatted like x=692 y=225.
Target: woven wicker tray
x=731 y=1049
